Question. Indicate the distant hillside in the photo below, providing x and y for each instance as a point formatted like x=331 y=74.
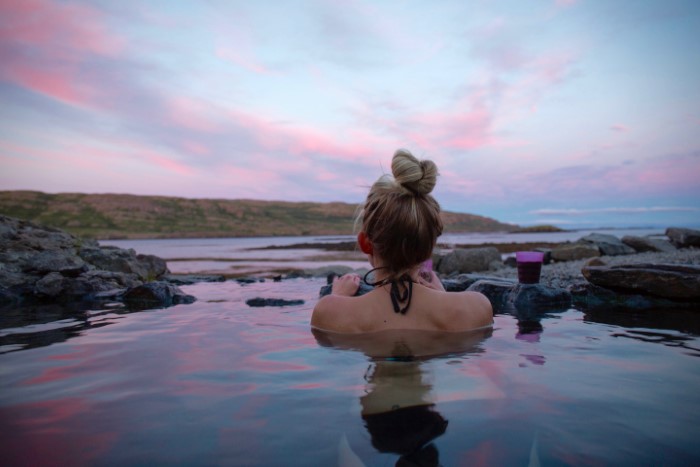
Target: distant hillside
x=116 y=216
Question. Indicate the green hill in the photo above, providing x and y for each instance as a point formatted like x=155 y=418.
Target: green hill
x=115 y=216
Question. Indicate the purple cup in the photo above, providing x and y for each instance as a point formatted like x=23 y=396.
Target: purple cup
x=529 y=266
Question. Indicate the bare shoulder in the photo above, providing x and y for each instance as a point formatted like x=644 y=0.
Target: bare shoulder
x=339 y=313
x=470 y=310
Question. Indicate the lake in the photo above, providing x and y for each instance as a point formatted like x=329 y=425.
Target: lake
x=218 y=382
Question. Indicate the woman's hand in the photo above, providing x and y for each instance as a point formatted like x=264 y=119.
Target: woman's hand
x=346 y=285
x=431 y=280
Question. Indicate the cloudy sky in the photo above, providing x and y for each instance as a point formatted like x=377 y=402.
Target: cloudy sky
x=570 y=112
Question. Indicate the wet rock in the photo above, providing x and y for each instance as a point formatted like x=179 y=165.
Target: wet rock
x=592 y=297
x=51 y=285
x=156 y=294
x=363 y=289
x=574 y=251
x=683 y=238
x=495 y=289
x=672 y=281
x=642 y=244
x=41 y=264
x=249 y=280
x=462 y=260
x=260 y=302
x=66 y=263
x=189 y=279
x=608 y=245
x=531 y=299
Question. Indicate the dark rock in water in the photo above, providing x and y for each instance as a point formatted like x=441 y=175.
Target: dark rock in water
x=532 y=299
x=574 y=251
x=40 y=264
x=642 y=244
x=593 y=297
x=608 y=245
x=189 y=279
x=683 y=238
x=249 y=280
x=260 y=302
x=156 y=294
x=363 y=289
x=463 y=260
x=495 y=289
x=674 y=281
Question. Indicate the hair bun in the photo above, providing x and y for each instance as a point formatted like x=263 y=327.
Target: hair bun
x=416 y=176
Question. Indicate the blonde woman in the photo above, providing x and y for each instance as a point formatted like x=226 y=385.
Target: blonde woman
x=400 y=223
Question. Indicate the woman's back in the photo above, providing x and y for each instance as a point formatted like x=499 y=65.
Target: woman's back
x=430 y=310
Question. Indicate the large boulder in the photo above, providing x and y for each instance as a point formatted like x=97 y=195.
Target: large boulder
x=683 y=238
x=39 y=263
x=673 y=281
x=642 y=244
x=462 y=260
x=574 y=251
x=609 y=245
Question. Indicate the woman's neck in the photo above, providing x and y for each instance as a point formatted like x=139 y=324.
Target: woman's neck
x=381 y=272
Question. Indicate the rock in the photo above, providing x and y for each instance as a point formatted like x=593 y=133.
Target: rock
x=463 y=260
x=156 y=294
x=608 y=245
x=574 y=251
x=189 y=279
x=671 y=281
x=363 y=289
x=260 y=302
x=495 y=289
x=642 y=244
x=50 y=285
x=592 y=297
x=111 y=258
x=532 y=299
x=683 y=238
x=41 y=264
x=594 y=262
x=154 y=266
x=66 y=263
x=249 y=280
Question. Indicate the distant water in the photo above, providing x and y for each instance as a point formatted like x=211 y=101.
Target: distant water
x=249 y=256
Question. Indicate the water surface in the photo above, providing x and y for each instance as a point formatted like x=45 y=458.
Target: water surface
x=220 y=383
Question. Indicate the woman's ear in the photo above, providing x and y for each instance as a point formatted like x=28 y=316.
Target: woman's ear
x=365 y=244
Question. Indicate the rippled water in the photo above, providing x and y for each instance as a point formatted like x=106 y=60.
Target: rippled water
x=220 y=383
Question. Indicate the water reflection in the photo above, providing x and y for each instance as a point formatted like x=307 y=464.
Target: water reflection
x=398 y=406
x=399 y=413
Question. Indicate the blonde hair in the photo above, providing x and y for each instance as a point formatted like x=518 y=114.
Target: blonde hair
x=400 y=217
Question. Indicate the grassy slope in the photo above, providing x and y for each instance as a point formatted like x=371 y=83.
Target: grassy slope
x=131 y=216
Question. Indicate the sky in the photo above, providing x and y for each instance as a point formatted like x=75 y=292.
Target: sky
x=577 y=113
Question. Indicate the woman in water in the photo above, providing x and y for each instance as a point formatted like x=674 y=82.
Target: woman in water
x=400 y=225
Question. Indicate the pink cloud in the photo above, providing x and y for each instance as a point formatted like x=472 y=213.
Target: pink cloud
x=44 y=44
x=241 y=59
x=193 y=114
x=619 y=127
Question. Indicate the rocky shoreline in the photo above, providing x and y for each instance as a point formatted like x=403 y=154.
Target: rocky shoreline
x=595 y=272
x=42 y=265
